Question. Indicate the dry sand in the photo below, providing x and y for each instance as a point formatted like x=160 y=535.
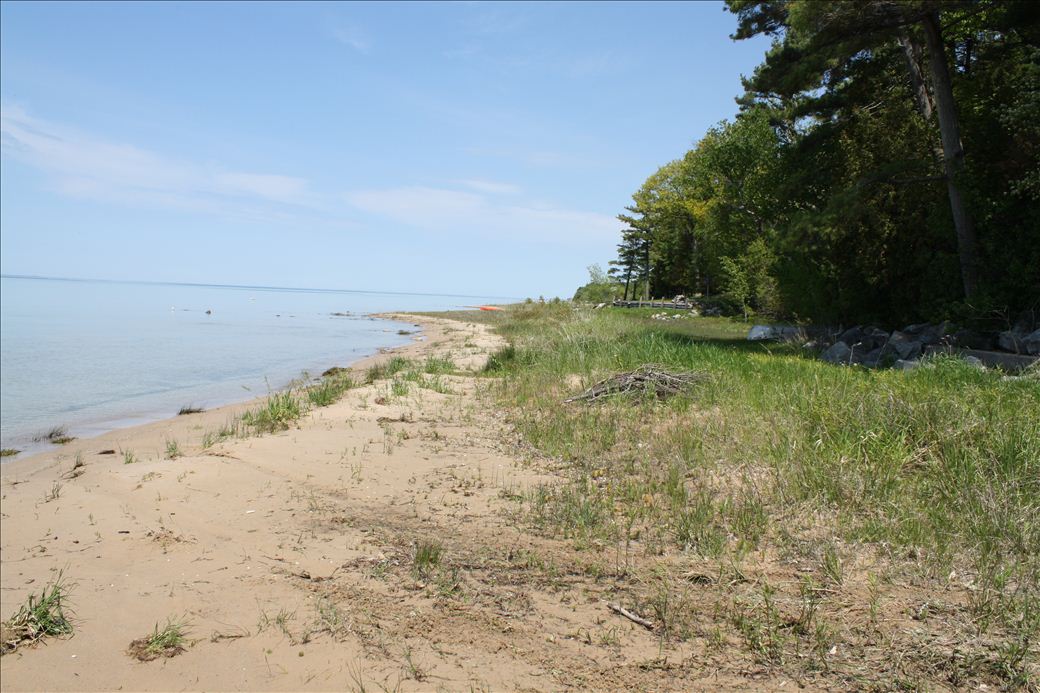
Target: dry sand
x=290 y=555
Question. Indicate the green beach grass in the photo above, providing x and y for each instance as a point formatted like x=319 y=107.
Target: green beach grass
x=934 y=471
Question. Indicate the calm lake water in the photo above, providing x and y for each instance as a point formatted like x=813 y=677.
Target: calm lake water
x=94 y=356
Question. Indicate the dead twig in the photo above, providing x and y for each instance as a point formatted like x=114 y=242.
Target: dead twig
x=648 y=378
x=622 y=611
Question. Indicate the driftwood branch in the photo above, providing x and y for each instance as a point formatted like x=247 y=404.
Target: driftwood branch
x=622 y=611
x=645 y=379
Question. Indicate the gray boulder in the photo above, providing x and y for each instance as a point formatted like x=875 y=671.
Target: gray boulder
x=1031 y=342
x=1011 y=340
x=871 y=359
x=873 y=338
x=851 y=336
x=928 y=334
x=903 y=346
x=839 y=353
x=762 y=332
x=970 y=339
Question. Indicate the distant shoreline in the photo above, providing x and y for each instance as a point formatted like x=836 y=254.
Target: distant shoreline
x=251 y=287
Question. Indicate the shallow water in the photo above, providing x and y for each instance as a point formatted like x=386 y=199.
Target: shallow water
x=93 y=356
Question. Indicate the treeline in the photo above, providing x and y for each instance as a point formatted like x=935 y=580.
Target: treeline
x=884 y=166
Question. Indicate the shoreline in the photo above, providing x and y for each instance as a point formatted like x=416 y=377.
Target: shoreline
x=234 y=407
x=263 y=546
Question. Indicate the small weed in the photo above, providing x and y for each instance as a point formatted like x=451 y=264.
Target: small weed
x=399 y=388
x=129 y=457
x=8 y=452
x=53 y=494
x=330 y=619
x=411 y=669
x=427 y=557
x=832 y=565
x=38 y=618
x=190 y=409
x=168 y=642
x=280 y=621
x=77 y=469
x=173 y=450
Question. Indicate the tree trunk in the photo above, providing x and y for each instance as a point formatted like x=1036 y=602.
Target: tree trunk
x=953 y=152
x=913 y=64
x=646 y=294
x=628 y=278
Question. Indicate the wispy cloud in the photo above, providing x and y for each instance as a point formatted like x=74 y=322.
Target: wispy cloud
x=490 y=186
x=533 y=157
x=354 y=37
x=86 y=166
x=443 y=210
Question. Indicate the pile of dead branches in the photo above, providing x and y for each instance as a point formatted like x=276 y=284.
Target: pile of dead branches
x=649 y=379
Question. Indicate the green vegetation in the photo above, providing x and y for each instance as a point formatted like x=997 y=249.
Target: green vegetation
x=129 y=457
x=58 y=436
x=936 y=471
x=190 y=409
x=330 y=389
x=41 y=616
x=426 y=558
x=385 y=370
x=166 y=642
x=173 y=450
x=279 y=411
x=883 y=168
x=8 y=452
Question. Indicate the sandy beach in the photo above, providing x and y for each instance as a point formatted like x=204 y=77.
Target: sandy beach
x=291 y=556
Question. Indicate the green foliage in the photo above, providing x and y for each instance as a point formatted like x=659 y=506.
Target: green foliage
x=940 y=464
x=826 y=198
x=168 y=641
x=40 y=617
x=277 y=413
x=330 y=389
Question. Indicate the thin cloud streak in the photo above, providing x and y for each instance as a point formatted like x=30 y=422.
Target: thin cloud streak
x=89 y=167
x=441 y=210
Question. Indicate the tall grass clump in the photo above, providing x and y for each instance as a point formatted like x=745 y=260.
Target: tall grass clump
x=395 y=365
x=278 y=412
x=329 y=390
x=438 y=365
x=39 y=617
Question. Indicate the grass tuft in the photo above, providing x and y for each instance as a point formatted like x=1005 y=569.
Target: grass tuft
x=277 y=413
x=40 y=617
x=58 y=435
x=166 y=642
x=173 y=450
x=426 y=557
x=190 y=409
x=330 y=389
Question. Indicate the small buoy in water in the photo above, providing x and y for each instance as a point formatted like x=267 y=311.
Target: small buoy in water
x=209 y=312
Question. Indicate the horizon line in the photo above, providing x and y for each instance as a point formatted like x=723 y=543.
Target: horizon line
x=300 y=289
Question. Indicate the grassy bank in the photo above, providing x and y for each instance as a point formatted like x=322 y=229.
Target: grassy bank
x=837 y=516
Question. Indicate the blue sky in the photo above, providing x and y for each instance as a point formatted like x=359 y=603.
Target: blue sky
x=460 y=148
